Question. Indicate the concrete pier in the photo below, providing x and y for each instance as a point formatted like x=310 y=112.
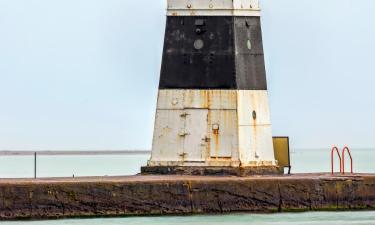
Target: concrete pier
x=172 y=195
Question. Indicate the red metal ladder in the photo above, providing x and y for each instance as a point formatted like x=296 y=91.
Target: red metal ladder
x=346 y=149
x=341 y=158
x=333 y=157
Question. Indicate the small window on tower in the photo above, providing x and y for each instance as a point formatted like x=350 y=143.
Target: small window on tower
x=199 y=22
x=198 y=44
x=248 y=44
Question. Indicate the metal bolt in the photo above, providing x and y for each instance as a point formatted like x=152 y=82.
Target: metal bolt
x=174 y=101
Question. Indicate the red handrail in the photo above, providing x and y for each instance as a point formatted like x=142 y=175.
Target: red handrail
x=332 y=159
x=346 y=149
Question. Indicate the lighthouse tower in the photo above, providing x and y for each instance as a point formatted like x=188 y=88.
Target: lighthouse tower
x=212 y=111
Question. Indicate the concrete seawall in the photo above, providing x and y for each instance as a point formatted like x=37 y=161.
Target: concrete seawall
x=168 y=195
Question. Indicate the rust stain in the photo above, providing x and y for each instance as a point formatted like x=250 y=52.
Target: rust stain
x=209 y=136
x=215 y=131
x=228 y=121
x=208 y=103
x=197 y=100
x=188 y=100
x=206 y=99
x=222 y=158
x=221 y=110
x=216 y=137
x=254 y=138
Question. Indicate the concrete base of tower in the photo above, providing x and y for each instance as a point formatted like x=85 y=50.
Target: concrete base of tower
x=212 y=171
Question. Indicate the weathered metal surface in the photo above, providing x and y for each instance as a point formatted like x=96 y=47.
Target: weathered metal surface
x=171 y=99
x=167 y=141
x=282 y=154
x=213 y=105
x=176 y=195
x=211 y=67
x=213 y=8
x=223 y=135
x=197 y=99
x=224 y=62
x=179 y=137
x=255 y=133
x=212 y=128
x=249 y=56
x=256 y=147
x=253 y=101
x=195 y=144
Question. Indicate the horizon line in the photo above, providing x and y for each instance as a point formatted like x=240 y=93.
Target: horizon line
x=73 y=152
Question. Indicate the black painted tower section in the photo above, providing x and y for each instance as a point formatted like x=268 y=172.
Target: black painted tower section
x=215 y=52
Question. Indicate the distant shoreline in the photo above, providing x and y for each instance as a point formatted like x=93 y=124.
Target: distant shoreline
x=102 y=152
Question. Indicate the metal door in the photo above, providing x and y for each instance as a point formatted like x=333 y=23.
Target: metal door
x=223 y=133
x=195 y=134
x=168 y=142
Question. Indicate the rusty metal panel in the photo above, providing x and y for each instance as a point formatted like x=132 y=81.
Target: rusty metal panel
x=246 y=153
x=256 y=146
x=223 y=99
x=223 y=133
x=281 y=149
x=167 y=141
x=170 y=99
x=210 y=99
x=197 y=99
x=213 y=127
x=253 y=108
x=195 y=145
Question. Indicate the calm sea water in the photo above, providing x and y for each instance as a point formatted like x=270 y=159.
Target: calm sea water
x=314 y=218
x=303 y=161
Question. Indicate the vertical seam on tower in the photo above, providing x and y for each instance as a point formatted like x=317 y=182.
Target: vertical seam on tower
x=236 y=86
x=184 y=124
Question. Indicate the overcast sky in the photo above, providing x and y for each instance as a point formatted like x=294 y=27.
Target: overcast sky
x=83 y=74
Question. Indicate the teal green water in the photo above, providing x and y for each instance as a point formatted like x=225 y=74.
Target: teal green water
x=314 y=218
x=303 y=161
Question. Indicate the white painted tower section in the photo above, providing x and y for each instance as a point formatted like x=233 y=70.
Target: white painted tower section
x=224 y=128
x=213 y=8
